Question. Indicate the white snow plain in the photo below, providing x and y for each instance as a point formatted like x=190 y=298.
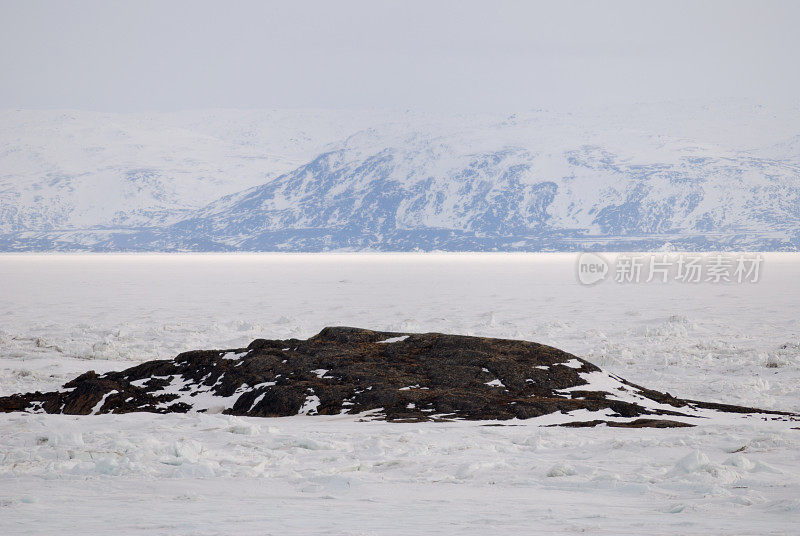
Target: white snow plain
x=61 y=315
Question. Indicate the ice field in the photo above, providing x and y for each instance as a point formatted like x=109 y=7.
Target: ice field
x=61 y=315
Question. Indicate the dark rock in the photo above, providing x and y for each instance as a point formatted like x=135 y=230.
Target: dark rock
x=395 y=376
x=636 y=423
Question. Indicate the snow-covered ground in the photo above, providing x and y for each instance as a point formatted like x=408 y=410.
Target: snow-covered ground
x=214 y=474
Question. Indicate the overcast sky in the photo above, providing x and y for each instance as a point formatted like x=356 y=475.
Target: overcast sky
x=167 y=55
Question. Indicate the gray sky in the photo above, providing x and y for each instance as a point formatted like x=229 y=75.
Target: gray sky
x=460 y=55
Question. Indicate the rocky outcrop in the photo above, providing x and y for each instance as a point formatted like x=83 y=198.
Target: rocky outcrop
x=393 y=376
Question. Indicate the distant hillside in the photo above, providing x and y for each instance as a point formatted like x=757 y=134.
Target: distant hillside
x=264 y=181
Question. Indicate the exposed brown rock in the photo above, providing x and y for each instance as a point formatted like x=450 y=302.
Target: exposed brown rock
x=637 y=423
x=348 y=370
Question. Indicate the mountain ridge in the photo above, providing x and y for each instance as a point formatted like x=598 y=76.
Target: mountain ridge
x=535 y=182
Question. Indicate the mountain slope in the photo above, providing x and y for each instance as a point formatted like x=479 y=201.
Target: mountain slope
x=535 y=181
x=75 y=170
x=422 y=192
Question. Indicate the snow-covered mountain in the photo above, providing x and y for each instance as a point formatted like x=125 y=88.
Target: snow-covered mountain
x=67 y=170
x=658 y=177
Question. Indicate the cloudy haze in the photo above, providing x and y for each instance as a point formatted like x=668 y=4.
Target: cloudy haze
x=133 y=56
